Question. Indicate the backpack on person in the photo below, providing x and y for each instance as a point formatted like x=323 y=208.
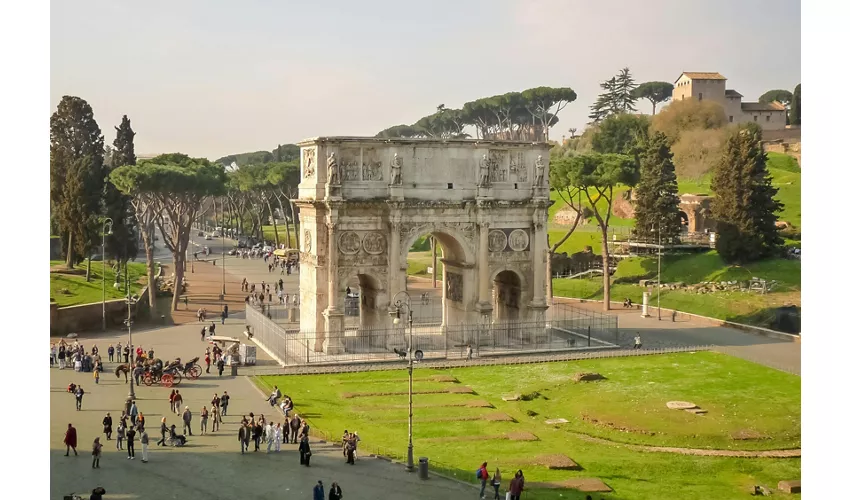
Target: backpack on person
x=478 y=474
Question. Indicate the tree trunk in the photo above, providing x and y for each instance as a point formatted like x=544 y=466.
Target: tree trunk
x=286 y=221
x=88 y=268
x=295 y=224
x=179 y=263
x=69 y=255
x=274 y=223
x=146 y=241
x=606 y=278
x=653 y=108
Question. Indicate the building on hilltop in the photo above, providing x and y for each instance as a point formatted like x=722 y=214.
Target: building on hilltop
x=712 y=87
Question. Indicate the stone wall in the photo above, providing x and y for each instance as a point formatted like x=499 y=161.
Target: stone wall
x=784 y=146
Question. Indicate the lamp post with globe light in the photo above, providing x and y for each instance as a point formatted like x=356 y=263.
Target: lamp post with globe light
x=401 y=302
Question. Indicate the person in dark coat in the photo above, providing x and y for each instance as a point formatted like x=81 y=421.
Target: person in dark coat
x=517 y=485
x=304 y=451
x=97 y=493
x=285 y=428
x=244 y=437
x=70 y=440
x=131 y=439
x=335 y=493
x=257 y=434
x=107 y=426
x=319 y=491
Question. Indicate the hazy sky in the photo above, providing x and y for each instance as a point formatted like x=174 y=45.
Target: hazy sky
x=209 y=78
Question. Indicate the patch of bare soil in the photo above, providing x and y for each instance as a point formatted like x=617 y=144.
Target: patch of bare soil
x=499 y=417
x=616 y=427
x=585 y=484
x=700 y=452
x=479 y=403
x=556 y=462
x=587 y=377
x=61 y=269
x=748 y=435
x=521 y=436
x=452 y=390
x=444 y=378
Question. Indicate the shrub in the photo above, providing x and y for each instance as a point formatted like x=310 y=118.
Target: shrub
x=697 y=151
x=688 y=114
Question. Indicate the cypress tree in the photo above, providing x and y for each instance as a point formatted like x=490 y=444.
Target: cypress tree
x=657 y=192
x=123 y=243
x=794 y=115
x=76 y=175
x=744 y=205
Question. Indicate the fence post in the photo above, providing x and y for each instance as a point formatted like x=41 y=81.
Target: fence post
x=588 y=335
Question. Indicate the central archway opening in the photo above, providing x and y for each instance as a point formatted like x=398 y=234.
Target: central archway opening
x=437 y=257
x=507 y=294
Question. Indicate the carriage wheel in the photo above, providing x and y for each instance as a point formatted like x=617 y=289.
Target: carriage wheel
x=167 y=380
x=148 y=380
x=195 y=372
x=177 y=378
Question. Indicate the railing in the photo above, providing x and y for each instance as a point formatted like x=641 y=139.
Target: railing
x=565 y=328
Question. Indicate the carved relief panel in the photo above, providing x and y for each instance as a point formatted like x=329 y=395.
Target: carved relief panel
x=308 y=162
x=508 y=240
x=498 y=168
x=518 y=168
x=373 y=168
x=497 y=240
x=454 y=287
x=350 y=164
x=349 y=243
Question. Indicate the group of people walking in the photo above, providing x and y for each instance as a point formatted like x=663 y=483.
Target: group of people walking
x=515 y=489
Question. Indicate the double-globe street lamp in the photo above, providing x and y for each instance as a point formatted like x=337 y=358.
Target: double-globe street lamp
x=658 y=230
x=107 y=223
x=131 y=301
x=401 y=302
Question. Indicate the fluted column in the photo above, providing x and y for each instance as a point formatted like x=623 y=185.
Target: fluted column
x=333 y=296
x=483 y=267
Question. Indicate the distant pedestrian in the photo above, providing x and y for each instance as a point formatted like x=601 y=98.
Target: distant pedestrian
x=207 y=361
x=496 y=482
x=225 y=400
x=107 y=426
x=70 y=440
x=468 y=352
x=482 y=475
x=205 y=415
x=335 y=493
x=212 y=329
x=305 y=452
x=78 y=395
x=319 y=491
x=517 y=485
x=110 y=351
x=674 y=316
x=638 y=343
x=220 y=365
x=134 y=413
x=131 y=443
x=216 y=419
x=97 y=448
x=171 y=400
x=187 y=421
x=120 y=433
x=178 y=401
x=203 y=333
x=244 y=437
x=163 y=429
x=144 y=440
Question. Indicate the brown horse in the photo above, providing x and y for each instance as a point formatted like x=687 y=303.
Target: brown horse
x=125 y=369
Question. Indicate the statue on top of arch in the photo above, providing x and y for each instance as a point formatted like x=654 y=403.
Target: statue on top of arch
x=333 y=170
x=395 y=170
x=540 y=171
x=484 y=172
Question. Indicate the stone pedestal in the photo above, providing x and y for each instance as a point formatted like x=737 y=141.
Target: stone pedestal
x=396 y=192
x=485 y=192
x=537 y=315
x=334 y=331
x=334 y=192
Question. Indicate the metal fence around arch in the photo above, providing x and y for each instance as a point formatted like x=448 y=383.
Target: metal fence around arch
x=566 y=328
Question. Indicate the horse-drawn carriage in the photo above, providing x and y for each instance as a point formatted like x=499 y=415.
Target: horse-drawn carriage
x=166 y=375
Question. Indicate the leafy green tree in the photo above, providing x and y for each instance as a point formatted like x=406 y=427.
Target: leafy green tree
x=745 y=206
x=619 y=133
x=122 y=244
x=595 y=176
x=403 y=131
x=617 y=97
x=654 y=92
x=794 y=115
x=284 y=179
x=76 y=176
x=657 y=207
x=689 y=114
x=176 y=185
x=781 y=96
x=540 y=100
x=605 y=103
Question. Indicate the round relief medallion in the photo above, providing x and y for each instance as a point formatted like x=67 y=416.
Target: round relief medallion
x=374 y=243
x=349 y=243
x=518 y=240
x=497 y=241
x=308 y=241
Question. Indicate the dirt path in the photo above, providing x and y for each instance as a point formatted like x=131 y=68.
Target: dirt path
x=698 y=451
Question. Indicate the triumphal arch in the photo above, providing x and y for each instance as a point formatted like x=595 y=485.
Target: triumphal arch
x=364 y=201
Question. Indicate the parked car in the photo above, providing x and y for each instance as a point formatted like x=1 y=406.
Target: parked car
x=207 y=237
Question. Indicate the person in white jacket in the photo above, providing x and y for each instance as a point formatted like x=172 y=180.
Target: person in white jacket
x=269 y=430
x=278 y=436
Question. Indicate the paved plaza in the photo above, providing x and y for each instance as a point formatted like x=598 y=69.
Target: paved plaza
x=208 y=466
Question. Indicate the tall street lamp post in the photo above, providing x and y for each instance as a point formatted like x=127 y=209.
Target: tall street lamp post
x=106 y=223
x=401 y=300
x=131 y=301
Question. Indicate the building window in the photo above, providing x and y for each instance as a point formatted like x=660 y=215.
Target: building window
x=755 y=118
x=767 y=118
x=700 y=96
x=730 y=118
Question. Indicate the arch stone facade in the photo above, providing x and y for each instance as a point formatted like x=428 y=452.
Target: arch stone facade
x=364 y=201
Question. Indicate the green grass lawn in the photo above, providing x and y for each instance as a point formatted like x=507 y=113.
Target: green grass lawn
x=82 y=292
x=629 y=407
x=419 y=262
x=268 y=234
x=743 y=307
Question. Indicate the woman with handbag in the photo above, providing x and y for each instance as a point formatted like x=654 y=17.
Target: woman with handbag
x=496 y=482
